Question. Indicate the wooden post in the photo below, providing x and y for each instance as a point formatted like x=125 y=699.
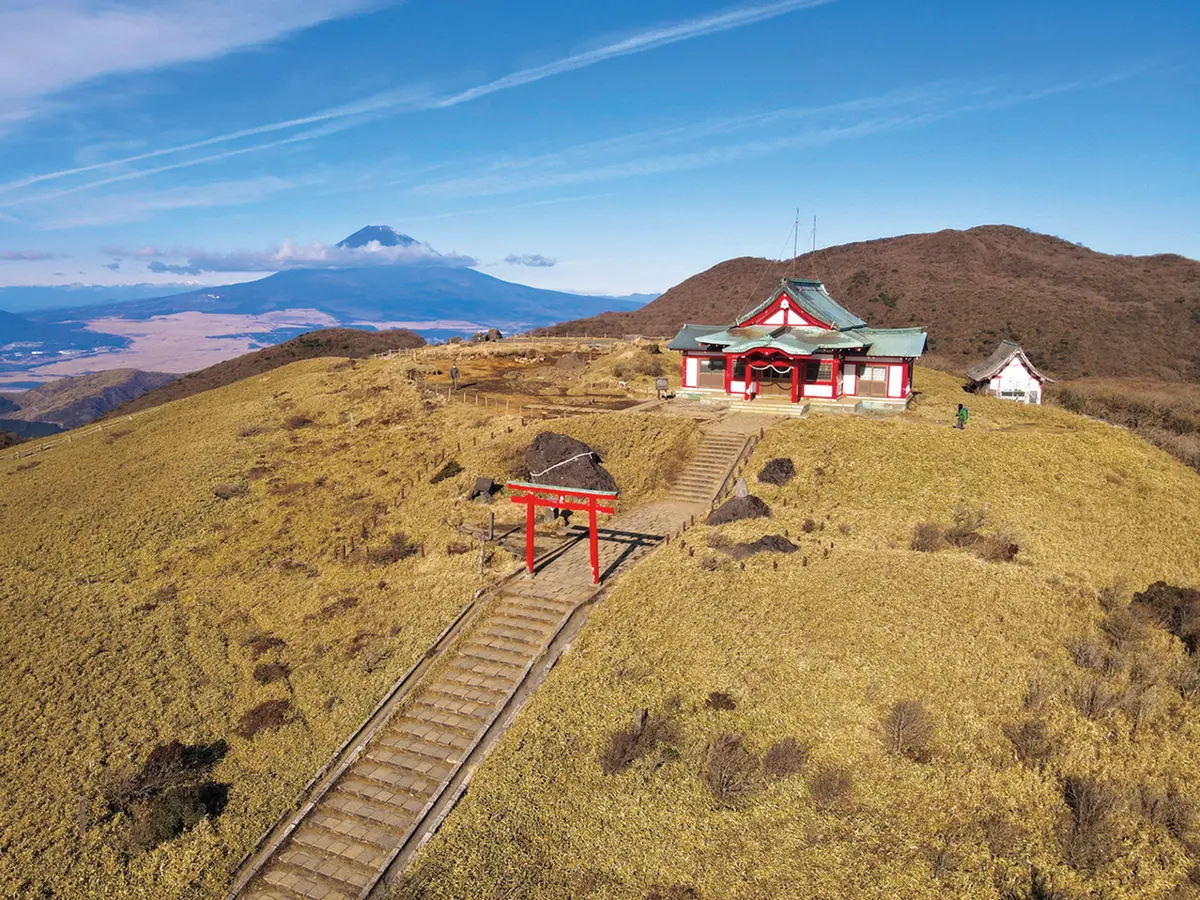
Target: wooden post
x=529 y=538
x=593 y=544
x=491 y=526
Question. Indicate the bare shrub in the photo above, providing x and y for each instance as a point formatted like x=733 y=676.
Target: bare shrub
x=1092 y=804
x=720 y=700
x=1112 y=598
x=1086 y=651
x=717 y=540
x=908 y=729
x=1124 y=630
x=262 y=643
x=1177 y=609
x=808 y=526
x=964 y=532
x=674 y=892
x=292 y=423
x=1037 y=694
x=710 y=563
x=998 y=547
x=330 y=611
x=1184 y=676
x=785 y=757
x=1031 y=740
x=830 y=787
x=730 y=770
x=398 y=547
x=266 y=716
x=1168 y=810
x=627 y=744
x=169 y=794
x=266 y=673
x=449 y=470
x=252 y=430
x=231 y=489
x=1094 y=698
x=928 y=537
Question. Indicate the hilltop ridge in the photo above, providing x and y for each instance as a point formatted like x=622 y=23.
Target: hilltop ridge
x=1074 y=310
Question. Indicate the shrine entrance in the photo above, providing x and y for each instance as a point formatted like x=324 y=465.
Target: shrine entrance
x=555 y=497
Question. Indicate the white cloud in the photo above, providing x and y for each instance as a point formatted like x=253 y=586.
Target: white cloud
x=533 y=260
x=25 y=255
x=142 y=205
x=314 y=255
x=50 y=46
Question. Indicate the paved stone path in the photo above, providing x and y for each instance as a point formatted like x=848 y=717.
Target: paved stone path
x=343 y=845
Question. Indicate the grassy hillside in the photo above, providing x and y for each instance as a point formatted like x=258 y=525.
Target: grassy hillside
x=77 y=400
x=1077 y=312
x=238 y=566
x=351 y=343
x=820 y=645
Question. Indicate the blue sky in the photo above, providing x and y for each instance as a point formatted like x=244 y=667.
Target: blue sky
x=630 y=143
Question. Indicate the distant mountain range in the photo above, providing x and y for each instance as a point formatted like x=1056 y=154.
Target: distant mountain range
x=1075 y=311
x=426 y=292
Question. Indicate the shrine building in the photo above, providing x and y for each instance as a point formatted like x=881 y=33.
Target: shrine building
x=800 y=347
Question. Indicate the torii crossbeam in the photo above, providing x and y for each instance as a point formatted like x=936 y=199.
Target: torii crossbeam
x=564 y=498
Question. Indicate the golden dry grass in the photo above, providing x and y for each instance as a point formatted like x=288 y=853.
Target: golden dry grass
x=818 y=645
x=95 y=669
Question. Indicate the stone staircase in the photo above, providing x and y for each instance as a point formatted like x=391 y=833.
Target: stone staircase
x=343 y=845
x=708 y=467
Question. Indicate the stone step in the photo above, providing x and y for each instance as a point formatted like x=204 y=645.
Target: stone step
x=531 y=612
x=432 y=732
x=303 y=884
x=343 y=873
x=486 y=668
x=427 y=750
x=468 y=678
x=348 y=831
x=401 y=777
x=393 y=818
x=446 y=718
x=501 y=639
x=259 y=891
x=467 y=693
x=536 y=631
x=444 y=704
x=381 y=796
x=370 y=854
x=429 y=769
x=495 y=653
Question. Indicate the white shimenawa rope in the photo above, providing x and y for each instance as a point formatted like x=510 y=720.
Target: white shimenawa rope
x=557 y=464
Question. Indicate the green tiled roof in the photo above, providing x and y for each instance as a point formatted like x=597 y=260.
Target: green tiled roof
x=812 y=297
x=848 y=333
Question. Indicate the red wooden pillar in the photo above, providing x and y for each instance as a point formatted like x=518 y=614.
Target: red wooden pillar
x=529 y=536
x=836 y=391
x=795 y=381
x=593 y=542
x=729 y=363
x=683 y=374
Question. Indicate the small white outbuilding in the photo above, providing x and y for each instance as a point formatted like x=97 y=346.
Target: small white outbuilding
x=1008 y=374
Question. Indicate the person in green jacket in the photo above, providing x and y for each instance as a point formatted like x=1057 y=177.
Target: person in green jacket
x=960 y=417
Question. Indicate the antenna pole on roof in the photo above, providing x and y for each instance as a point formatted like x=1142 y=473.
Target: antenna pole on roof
x=814 y=250
x=795 y=241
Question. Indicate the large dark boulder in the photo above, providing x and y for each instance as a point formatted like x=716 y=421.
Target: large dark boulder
x=484 y=337
x=739 y=508
x=557 y=459
x=778 y=472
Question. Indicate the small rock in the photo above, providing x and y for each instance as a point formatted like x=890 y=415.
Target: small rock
x=740 y=490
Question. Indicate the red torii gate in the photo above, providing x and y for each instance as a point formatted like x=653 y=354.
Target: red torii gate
x=559 y=499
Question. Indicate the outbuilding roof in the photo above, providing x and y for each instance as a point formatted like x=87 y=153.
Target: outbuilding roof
x=1003 y=355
